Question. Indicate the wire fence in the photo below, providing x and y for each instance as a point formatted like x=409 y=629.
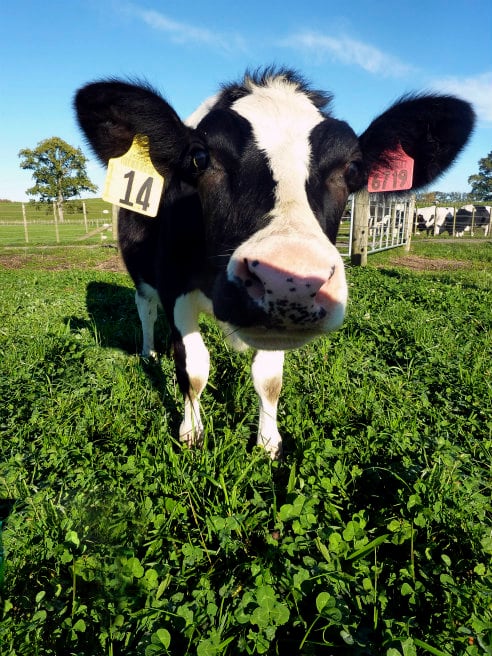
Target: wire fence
x=39 y=224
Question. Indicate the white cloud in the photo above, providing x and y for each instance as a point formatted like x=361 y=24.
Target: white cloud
x=187 y=33
x=477 y=90
x=348 y=51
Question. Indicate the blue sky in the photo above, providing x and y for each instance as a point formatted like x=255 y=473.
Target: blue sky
x=366 y=52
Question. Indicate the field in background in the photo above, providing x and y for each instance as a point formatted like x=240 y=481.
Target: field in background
x=42 y=230
x=372 y=537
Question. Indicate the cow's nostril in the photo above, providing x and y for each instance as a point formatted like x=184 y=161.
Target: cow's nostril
x=253 y=283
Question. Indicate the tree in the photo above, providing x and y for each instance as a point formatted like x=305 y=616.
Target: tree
x=481 y=182
x=427 y=197
x=59 y=171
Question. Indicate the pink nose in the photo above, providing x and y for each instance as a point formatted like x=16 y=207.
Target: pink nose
x=305 y=280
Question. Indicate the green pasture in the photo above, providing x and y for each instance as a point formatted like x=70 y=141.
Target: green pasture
x=11 y=211
x=372 y=537
x=42 y=230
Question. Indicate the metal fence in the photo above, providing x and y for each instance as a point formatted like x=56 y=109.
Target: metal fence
x=373 y=223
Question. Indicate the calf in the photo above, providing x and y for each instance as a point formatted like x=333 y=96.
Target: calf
x=255 y=184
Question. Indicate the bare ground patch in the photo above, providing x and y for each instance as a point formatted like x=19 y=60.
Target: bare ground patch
x=419 y=263
x=113 y=264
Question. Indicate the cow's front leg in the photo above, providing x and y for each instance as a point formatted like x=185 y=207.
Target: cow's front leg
x=267 y=371
x=192 y=365
x=147 y=301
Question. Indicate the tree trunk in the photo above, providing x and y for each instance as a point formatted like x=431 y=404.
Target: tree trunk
x=59 y=206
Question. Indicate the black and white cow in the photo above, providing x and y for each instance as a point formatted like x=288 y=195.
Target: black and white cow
x=467 y=219
x=432 y=219
x=256 y=183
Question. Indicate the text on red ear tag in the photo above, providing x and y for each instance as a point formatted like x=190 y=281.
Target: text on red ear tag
x=397 y=176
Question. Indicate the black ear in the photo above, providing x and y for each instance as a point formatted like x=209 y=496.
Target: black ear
x=111 y=113
x=431 y=129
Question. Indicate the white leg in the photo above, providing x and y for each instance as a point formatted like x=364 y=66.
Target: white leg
x=197 y=368
x=186 y=313
x=267 y=378
x=147 y=301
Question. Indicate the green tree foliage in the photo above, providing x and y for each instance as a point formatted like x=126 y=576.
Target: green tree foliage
x=443 y=197
x=481 y=182
x=59 y=171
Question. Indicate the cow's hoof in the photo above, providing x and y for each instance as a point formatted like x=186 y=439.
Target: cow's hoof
x=191 y=437
x=151 y=355
x=273 y=446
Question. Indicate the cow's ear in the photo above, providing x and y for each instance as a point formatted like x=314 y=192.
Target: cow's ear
x=111 y=113
x=432 y=129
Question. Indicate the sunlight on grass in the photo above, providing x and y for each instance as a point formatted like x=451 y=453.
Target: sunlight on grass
x=372 y=536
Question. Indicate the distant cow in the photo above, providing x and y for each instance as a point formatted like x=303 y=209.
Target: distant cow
x=256 y=182
x=431 y=219
x=467 y=219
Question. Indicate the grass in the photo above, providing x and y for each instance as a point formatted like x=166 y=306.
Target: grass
x=372 y=537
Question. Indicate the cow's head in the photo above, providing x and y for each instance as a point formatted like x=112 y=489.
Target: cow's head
x=273 y=170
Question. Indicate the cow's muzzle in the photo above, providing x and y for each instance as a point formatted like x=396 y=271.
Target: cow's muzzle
x=288 y=290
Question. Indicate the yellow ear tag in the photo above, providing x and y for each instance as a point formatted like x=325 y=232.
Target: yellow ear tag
x=132 y=180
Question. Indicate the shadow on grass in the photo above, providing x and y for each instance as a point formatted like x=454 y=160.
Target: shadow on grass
x=114 y=322
x=114 y=319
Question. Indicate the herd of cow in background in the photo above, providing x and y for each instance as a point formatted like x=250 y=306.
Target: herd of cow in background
x=433 y=220
x=437 y=220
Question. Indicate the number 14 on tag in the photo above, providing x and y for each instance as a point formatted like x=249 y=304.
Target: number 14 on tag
x=132 y=181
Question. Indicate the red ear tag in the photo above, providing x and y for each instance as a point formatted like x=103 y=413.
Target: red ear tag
x=398 y=176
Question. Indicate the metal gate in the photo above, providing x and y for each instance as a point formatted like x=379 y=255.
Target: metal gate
x=373 y=223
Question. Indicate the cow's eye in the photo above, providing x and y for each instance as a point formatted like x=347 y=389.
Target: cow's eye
x=200 y=160
x=354 y=174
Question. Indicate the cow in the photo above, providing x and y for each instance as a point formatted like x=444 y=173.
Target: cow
x=432 y=219
x=255 y=184
x=467 y=219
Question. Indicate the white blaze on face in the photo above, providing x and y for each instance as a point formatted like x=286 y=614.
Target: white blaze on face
x=299 y=274
x=282 y=118
x=201 y=111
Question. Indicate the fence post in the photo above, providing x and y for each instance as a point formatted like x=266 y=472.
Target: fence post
x=409 y=224
x=114 y=222
x=84 y=210
x=26 y=233
x=360 y=233
x=435 y=231
x=392 y=227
